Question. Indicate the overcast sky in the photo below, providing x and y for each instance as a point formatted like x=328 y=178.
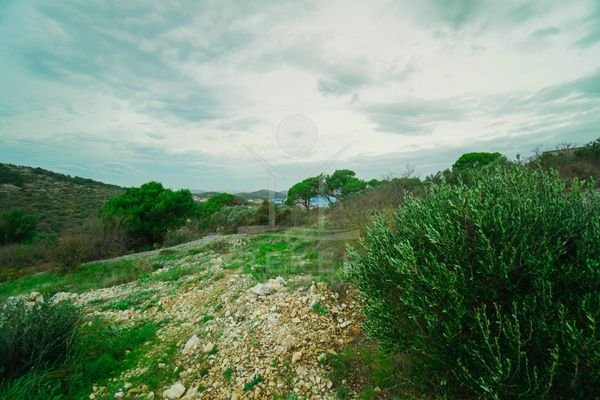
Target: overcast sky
x=191 y=93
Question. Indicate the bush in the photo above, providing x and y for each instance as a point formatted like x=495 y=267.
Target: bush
x=35 y=336
x=490 y=290
x=228 y=219
x=17 y=226
x=11 y=175
x=358 y=211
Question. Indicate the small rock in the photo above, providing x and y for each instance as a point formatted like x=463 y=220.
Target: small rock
x=35 y=297
x=150 y=396
x=174 y=392
x=127 y=386
x=209 y=347
x=119 y=395
x=269 y=287
x=296 y=357
x=191 y=344
x=162 y=365
x=62 y=296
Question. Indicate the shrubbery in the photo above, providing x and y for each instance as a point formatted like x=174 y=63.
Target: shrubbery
x=149 y=211
x=35 y=336
x=491 y=289
x=17 y=226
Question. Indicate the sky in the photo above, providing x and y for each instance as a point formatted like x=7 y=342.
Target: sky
x=240 y=96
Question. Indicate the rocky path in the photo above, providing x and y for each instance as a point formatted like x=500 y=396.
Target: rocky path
x=224 y=336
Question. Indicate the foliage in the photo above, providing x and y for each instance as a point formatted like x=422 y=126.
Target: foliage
x=342 y=183
x=491 y=289
x=302 y=192
x=61 y=203
x=17 y=226
x=35 y=336
x=101 y=351
x=357 y=212
x=229 y=218
x=86 y=277
x=475 y=160
x=10 y=176
x=572 y=162
x=215 y=204
x=149 y=211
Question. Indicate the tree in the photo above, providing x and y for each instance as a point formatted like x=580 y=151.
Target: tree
x=469 y=161
x=302 y=192
x=149 y=211
x=343 y=182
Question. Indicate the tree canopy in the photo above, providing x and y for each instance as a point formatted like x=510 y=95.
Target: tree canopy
x=150 y=210
x=302 y=192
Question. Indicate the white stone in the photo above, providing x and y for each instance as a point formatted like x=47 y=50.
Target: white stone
x=174 y=392
x=119 y=395
x=191 y=344
x=35 y=297
x=296 y=357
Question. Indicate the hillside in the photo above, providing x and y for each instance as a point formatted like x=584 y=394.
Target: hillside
x=62 y=202
x=209 y=329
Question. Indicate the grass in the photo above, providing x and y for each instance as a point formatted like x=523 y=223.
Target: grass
x=255 y=380
x=295 y=252
x=102 y=352
x=84 y=278
x=141 y=301
x=362 y=371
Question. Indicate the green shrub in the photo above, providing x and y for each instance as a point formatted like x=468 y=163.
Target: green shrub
x=490 y=290
x=17 y=226
x=35 y=336
x=11 y=175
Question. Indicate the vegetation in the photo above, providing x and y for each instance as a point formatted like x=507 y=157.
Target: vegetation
x=17 y=226
x=98 y=351
x=62 y=203
x=86 y=277
x=149 y=211
x=35 y=336
x=302 y=192
x=489 y=289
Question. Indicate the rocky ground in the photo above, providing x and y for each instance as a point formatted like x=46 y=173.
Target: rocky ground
x=224 y=335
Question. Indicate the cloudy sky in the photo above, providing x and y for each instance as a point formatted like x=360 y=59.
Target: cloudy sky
x=192 y=93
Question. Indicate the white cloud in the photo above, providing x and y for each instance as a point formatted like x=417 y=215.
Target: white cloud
x=203 y=80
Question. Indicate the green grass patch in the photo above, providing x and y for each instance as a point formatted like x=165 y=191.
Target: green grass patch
x=84 y=278
x=102 y=351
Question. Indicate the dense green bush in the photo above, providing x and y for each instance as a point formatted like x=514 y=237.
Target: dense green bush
x=9 y=174
x=149 y=211
x=492 y=289
x=17 y=226
x=35 y=336
x=228 y=219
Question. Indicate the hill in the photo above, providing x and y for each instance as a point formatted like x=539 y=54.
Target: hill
x=62 y=202
x=263 y=194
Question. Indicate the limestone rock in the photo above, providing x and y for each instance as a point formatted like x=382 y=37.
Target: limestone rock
x=35 y=297
x=174 y=392
x=271 y=286
x=191 y=344
x=296 y=357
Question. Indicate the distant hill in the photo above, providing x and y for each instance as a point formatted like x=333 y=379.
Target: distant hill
x=261 y=194
x=257 y=195
x=62 y=202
